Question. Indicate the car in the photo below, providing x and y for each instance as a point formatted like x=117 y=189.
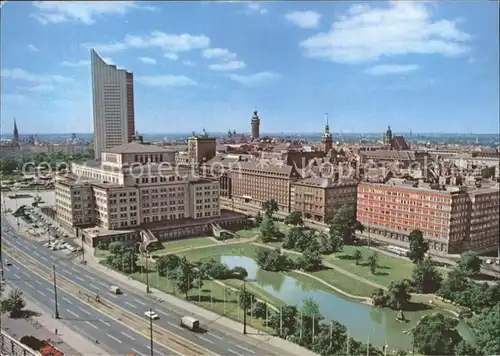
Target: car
x=8 y=263
x=151 y=315
x=488 y=261
x=46 y=244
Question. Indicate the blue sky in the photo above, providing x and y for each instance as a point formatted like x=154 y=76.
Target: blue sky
x=424 y=66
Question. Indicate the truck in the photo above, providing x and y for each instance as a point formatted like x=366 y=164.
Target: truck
x=190 y=323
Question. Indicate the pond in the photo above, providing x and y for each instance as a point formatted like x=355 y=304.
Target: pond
x=365 y=323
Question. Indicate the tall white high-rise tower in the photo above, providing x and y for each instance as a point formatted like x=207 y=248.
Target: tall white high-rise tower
x=113 y=101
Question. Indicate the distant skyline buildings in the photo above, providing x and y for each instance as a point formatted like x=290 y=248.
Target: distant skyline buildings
x=113 y=104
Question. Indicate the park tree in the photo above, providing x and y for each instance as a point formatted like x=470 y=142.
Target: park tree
x=187 y=277
x=436 y=334
x=311 y=259
x=284 y=321
x=167 y=263
x=270 y=207
x=418 y=246
x=245 y=299
x=454 y=284
x=258 y=219
x=8 y=165
x=330 y=242
x=398 y=294
x=239 y=272
x=294 y=218
x=268 y=230
x=14 y=303
x=425 y=277
x=379 y=298
x=373 y=262
x=466 y=349
x=344 y=223
x=470 y=263
x=486 y=327
x=116 y=247
x=273 y=260
x=358 y=256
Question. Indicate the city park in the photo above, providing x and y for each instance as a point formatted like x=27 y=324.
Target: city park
x=326 y=291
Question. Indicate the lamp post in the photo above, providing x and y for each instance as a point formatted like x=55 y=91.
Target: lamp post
x=245 y=306
x=147 y=273
x=55 y=292
x=151 y=331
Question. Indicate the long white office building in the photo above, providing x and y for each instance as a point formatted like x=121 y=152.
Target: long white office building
x=113 y=102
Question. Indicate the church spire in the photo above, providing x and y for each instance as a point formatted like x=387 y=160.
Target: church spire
x=16 y=132
x=327 y=140
x=327 y=133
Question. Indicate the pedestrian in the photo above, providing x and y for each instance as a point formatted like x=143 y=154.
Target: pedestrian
x=56 y=331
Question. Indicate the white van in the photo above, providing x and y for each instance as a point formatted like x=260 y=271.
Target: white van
x=190 y=323
x=115 y=290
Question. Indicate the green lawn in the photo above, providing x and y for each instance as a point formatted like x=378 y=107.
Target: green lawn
x=248 y=234
x=389 y=268
x=173 y=246
x=238 y=249
x=344 y=283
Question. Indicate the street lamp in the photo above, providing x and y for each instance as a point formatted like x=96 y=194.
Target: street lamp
x=55 y=291
x=151 y=331
x=245 y=306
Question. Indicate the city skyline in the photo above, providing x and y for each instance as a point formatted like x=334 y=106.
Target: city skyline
x=406 y=78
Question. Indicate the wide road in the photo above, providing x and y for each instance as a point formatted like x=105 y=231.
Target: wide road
x=218 y=340
x=112 y=336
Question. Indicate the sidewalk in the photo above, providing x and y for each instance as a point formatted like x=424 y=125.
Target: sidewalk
x=261 y=338
x=43 y=327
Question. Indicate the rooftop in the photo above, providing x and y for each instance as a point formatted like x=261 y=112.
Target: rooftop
x=326 y=182
x=135 y=147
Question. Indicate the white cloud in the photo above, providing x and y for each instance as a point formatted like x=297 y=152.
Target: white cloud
x=80 y=63
x=170 y=43
x=189 y=63
x=33 y=48
x=22 y=75
x=171 y=56
x=228 y=66
x=255 y=8
x=42 y=88
x=255 y=78
x=85 y=12
x=392 y=69
x=147 y=60
x=367 y=33
x=165 y=80
x=219 y=53
x=304 y=19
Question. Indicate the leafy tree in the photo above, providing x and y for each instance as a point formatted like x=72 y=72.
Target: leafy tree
x=245 y=299
x=466 y=349
x=436 y=335
x=187 y=277
x=344 y=223
x=284 y=321
x=294 y=218
x=239 y=272
x=270 y=207
x=273 y=260
x=425 y=277
x=258 y=219
x=260 y=310
x=373 y=262
x=398 y=294
x=486 y=327
x=268 y=230
x=8 y=165
x=298 y=239
x=167 y=263
x=121 y=258
x=331 y=242
x=379 y=298
x=455 y=284
x=470 y=263
x=357 y=256
x=311 y=259
x=14 y=303
x=116 y=247
x=418 y=246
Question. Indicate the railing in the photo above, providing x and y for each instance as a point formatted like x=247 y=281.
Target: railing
x=11 y=347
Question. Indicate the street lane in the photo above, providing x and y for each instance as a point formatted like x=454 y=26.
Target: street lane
x=214 y=340
x=77 y=315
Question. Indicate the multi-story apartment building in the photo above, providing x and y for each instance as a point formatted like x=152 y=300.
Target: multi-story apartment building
x=253 y=183
x=319 y=198
x=201 y=148
x=135 y=185
x=113 y=104
x=442 y=214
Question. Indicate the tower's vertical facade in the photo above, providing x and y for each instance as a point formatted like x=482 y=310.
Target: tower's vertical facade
x=327 y=139
x=15 y=134
x=388 y=137
x=255 y=125
x=113 y=105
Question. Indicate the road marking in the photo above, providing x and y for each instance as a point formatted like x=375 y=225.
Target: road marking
x=234 y=352
x=216 y=336
x=103 y=284
x=158 y=352
x=162 y=312
x=50 y=289
x=129 y=304
x=36 y=253
x=74 y=314
x=83 y=310
x=16 y=275
x=44 y=258
x=68 y=272
x=93 y=286
x=111 y=295
x=91 y=278
x=42 y=293
x=175 y=325
x=94 y=326
x=127 y=335
x=244 y=348
x=29 y=285
x=67 y=300
x=25 y=273
x=137 y=352
x=80 y=278
x=105 y=322
x=138 y=301
x=15 y=267
x=38 y=282
x=75 y=270
x=64 y=264
x=52 y=300
x=114 y=338
x=205 y=339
